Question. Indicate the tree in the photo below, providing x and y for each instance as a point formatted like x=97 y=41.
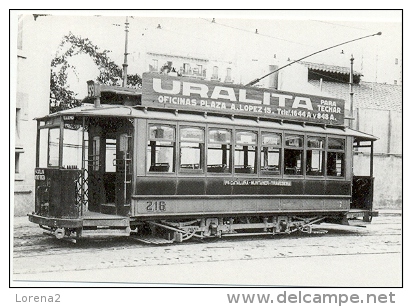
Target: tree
x=61 y=97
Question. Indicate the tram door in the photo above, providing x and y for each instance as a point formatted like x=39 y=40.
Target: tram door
x=110 y=166
x=363 y=180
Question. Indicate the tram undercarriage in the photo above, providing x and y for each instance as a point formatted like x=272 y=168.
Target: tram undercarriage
x=229 y=227
x=177 y=231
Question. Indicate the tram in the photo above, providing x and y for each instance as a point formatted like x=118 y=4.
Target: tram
x=182 y=158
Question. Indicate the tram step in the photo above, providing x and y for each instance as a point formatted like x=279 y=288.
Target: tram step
x=153 y=240
x=124 y=232
x=243 y=234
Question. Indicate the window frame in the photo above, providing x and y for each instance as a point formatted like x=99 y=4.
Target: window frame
x=343 y=151
x=257 y=153
x=259 y=133
x=307 y=148
x=229 y=167
x=48 y=127
x=202 y=163
x=301 y=148
x=280 y=146
x=147 y=144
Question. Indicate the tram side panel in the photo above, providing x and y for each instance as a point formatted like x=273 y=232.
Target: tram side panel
x=57 y=193
x=173 y=196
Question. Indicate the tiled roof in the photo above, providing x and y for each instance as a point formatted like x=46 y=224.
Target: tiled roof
x=369 y=95
x=329 y=68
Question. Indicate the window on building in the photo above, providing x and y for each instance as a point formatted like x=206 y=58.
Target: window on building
x=155 y=64
x=335 y=163
x=161 y=149
x=228 y=74
x=20 y=32
x=270 y=153
x=17 y=163
x=246 y=152
x=18 y=118
x=199 y=69
x=293 y=154
x=219 y=151
x=215 y=74
x=315 y=156
x=395 y=82
x=186 y=68
x=396 y=61
x=191 y=148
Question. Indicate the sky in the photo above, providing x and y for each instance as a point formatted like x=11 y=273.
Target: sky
x=240 y=36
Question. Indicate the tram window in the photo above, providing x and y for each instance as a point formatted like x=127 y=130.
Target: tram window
x=218 y=151
x=161 y=149
x=54 y=138
x=110 y=156
x=292 y=140
x=44 y=134
x=335 y=143
x=191 y=148
x=335 y=163
x=72 y=147
x=293 y=154
x=315 y=156
x=96 y=153
x=246 y=152
x=270 y=153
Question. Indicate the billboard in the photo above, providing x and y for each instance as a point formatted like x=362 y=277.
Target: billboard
x=180 y=93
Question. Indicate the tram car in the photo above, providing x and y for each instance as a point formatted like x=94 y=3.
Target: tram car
x=182 y=158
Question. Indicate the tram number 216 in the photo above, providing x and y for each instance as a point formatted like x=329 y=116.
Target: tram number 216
x=155 y=206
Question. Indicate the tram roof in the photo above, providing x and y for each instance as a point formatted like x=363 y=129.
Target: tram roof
x=204 y=118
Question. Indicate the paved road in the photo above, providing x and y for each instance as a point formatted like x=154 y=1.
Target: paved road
x=345 y=256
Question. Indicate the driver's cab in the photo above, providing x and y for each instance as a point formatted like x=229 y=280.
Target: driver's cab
x=83 y=164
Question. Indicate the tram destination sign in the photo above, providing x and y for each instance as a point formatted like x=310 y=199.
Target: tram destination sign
x=181 y=93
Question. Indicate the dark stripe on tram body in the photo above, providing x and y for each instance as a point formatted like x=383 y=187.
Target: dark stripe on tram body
x=215 y=186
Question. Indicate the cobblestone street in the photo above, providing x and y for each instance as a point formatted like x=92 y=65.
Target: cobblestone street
x=345 y=256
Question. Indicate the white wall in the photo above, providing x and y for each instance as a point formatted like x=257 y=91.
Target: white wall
x=32 y=95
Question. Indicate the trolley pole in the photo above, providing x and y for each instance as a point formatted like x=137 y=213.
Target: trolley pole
x=125 y=52
x=253 y=82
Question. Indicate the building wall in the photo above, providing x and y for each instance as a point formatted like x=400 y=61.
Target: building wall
x=31 y=100
x=387 y=160
x=199 y=68
x=385 y=122
x=387 y=171
x=386 y=125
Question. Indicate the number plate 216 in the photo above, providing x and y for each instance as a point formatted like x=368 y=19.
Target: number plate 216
x=156 y=206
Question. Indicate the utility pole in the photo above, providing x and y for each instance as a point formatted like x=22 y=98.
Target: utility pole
x=351 y=116
x=125 y=52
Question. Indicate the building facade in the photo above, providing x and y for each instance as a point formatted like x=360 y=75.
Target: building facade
x=377 y=109
x=31 y=100
x=192 y=67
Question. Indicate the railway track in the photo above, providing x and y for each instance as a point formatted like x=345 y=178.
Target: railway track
x=35 y=253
